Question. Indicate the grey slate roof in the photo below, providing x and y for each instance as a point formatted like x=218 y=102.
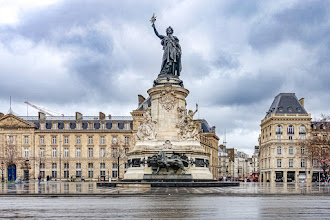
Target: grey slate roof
x=144 y=105
x=206 y=127
x=72 y=119
x=286 y=103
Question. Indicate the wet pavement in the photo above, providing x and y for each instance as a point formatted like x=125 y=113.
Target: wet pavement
x=90 y=188
x=166 y=207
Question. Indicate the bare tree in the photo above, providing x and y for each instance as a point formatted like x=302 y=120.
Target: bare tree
x=317 y=144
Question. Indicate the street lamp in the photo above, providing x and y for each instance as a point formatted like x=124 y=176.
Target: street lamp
x=2 y=180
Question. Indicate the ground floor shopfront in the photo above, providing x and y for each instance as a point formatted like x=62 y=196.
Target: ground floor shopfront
x=277 y=175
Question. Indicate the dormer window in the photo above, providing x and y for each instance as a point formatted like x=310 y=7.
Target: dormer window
x=90 y=125
x=289 y=109
x=280 y=109
x=66 y=126
x=78 y=126
x=102 y=126
x=299 y=109
x=114 y=125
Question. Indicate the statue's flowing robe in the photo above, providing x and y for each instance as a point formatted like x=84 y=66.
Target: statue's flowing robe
x=171 y=62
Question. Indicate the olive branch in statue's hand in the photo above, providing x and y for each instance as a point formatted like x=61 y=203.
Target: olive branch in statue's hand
x=153 y=19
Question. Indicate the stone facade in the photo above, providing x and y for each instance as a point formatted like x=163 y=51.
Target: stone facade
x=32 y=145
x=89 y=150
x=281 y=155
x=165 y=125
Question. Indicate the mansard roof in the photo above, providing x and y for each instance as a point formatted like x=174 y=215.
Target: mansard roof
x=85 y=119
x=286 y=103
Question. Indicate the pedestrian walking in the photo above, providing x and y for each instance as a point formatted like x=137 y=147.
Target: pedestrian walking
x=39 y=178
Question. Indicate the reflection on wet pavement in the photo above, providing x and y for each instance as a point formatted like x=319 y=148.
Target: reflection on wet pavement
x=166 y=207
x=91 y=188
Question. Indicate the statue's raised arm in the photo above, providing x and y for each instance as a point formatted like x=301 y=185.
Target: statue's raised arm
x=171 y=62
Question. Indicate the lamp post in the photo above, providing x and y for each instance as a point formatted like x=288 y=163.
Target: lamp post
x=2 y=180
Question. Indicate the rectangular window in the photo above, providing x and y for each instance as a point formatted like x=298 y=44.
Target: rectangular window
x=90 y=140
x=114 y=170
x=102 y=152
x=11 y=139
x=103 y=126
x=114 y=140
x=42 y=170
x=54 y=152
x=90 y=126
x=290 y=150
x=278 y=137
x=54 y=126
x=291 y=163
x=54 y=140
x=67 y=126
x=78 y=153
x=66 y=170
x=54 y=170
x=102 y=140
x=42 y=126
x=90 y=152
x=302 y=150
x=302 y=163
x=26 y=153
x=78 y=126
x=78 y=140
x=114 y=152
x=90 y=170
x=114 y=125
x=102 y=170
x=126 y=140
x=290 y=137
x=279 y=150
x=42 y=152
x=66 y=152
x=127 y=126
x=78 y=169
x=66 y=140
x=279 y=163
x=42 y=140
x=26 y=139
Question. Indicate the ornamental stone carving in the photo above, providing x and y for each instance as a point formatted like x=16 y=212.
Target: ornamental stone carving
x=168 y=99
x=189 y=129
x=147 y=128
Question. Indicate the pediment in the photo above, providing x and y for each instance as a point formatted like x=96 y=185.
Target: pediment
x=11 y=121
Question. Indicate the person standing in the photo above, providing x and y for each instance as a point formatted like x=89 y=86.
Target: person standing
x=39 y=178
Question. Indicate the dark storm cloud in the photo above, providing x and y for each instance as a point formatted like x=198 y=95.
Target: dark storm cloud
x=306 y=22
x=237 y=56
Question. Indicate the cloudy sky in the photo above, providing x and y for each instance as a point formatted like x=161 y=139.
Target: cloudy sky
x=98 y=55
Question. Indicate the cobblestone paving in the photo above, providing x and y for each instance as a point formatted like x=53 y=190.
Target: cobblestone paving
x=85 y=188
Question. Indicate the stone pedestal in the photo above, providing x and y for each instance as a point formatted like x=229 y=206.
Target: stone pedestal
x=165 y=129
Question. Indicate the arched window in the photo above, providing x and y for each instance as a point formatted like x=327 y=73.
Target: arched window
x=278 y=129
x=279 y=150
x=302 y=130
x=291 y=150
x=290 y=129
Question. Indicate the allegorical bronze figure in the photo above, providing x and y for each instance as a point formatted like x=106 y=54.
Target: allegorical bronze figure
x=171 y=62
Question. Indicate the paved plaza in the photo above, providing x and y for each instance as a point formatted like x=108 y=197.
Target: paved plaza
x=90 y=188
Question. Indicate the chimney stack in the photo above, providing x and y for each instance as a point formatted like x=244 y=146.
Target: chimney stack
x=79 y=116
x=101 y=115
x=302 y=102
x=140 y=99
x=41 y=115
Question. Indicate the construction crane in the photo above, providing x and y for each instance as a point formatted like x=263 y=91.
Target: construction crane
x=42 y=110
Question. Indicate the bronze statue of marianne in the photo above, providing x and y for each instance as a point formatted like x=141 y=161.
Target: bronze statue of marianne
x=171 y=62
